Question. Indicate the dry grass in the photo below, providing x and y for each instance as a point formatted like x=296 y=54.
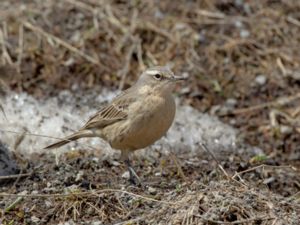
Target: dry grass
x=202 y=204
x=213 y=40
x=51 y=194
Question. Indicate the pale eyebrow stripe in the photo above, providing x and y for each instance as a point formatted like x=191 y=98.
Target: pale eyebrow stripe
x=153 y=72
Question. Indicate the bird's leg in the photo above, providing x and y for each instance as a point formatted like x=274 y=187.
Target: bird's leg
x=133 y=177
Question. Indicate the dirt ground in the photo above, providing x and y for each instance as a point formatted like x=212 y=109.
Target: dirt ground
x=243 y=62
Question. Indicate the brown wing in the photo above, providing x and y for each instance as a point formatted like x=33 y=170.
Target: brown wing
x=112 y=113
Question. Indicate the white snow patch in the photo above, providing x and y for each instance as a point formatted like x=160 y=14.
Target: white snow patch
x=61 y=115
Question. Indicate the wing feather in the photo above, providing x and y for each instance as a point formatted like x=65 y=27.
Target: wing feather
x=112 y=113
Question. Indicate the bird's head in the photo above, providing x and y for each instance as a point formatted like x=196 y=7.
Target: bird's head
x=159 y=79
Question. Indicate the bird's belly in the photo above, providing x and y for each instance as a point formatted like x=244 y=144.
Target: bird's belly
x=146 y=128
x=151 y=130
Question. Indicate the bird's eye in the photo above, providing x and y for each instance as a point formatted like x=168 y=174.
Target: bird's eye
x=157 y=76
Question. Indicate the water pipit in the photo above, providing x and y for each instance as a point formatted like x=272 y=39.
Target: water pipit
x=136 y=118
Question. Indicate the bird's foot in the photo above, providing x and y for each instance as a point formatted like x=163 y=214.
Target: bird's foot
x=133 y=177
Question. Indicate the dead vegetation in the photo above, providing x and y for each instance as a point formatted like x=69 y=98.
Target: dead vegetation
x=83 y=189
x=242 y=58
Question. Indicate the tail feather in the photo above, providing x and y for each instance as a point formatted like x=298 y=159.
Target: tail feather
x=73 y=137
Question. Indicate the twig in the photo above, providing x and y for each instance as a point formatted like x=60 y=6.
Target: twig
x=21 y=46
x=5 y=54
x=18 y=179
x=214 y=157
x=63 y=43
x=94 y=207
x=241 y=180
x=80 y=4
x=215 y=15
x=262 y=165
x=126 y=68
x=281 y=66
x=113 y=20
x=41 y=135
x=87 y=193
x=221 y=167
x=140 y=54
x=294 y=196
x=31 y=134
x=150 y=26
x=15 y=176
x=13 y=204
x=19 y=139
x=2 y=110
x=293 y=21
x=151 y=57
x=179 y=169
x=278 y=102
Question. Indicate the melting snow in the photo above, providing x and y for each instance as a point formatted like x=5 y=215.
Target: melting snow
x=61 y=115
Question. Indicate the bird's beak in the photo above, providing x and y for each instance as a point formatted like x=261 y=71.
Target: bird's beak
x=178 y=78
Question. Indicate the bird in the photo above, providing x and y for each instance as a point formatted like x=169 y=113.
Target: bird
x=136 y=118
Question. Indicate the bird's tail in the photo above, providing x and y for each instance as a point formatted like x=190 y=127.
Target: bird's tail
x=73 y=137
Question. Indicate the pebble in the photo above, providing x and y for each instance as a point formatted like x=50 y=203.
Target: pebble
x=25 y=192
x=232 y=122
x=226 y=60
x=35 y=219
x=158 y=14
x=261 y=79
x=69 y=62
x=268 y=180
x=115 y=163
x=238 y=24
x=158 y=174
x=286 y=129
x=152 y=190
x=48 y=204
x=231 y=102
x=126 y=175
x=220 y=109
x=35 y=186
x=96 y=223
x=79 y=175
x=70 y=189
x=185 y=90
x=295 y=75
x=244 y=33
x=95 y=159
